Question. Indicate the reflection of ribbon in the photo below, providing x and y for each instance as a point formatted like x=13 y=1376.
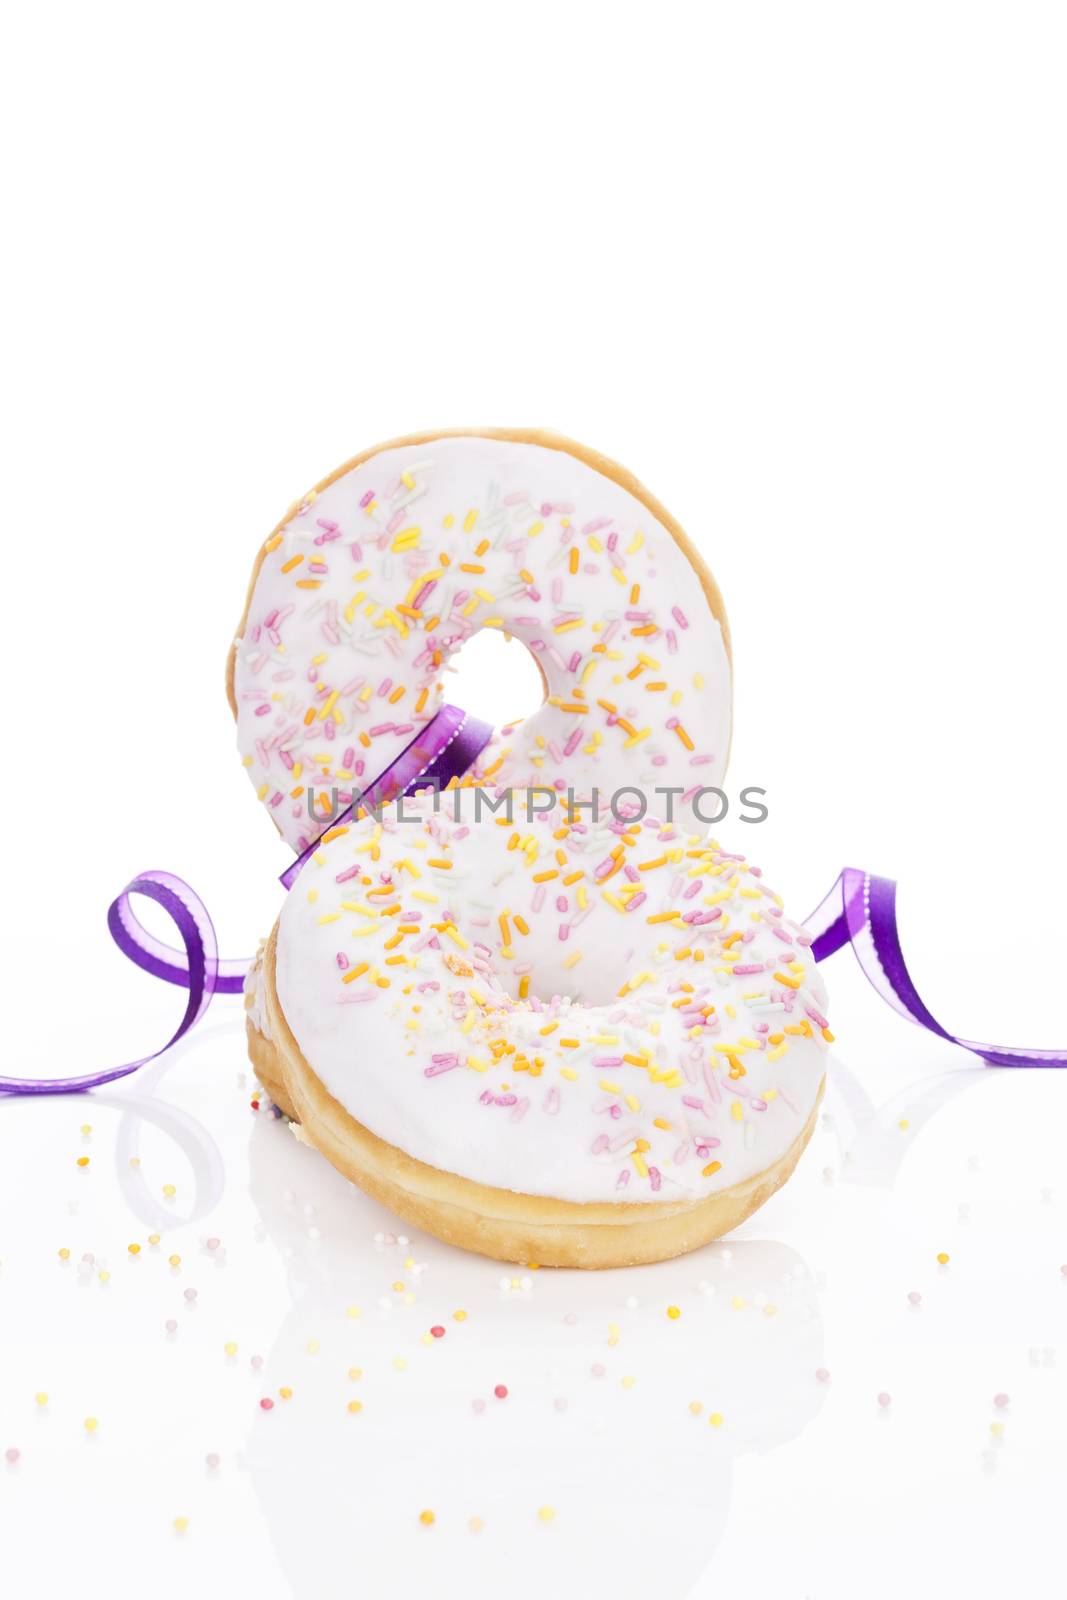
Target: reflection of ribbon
x=444 y=749
x=861 y=910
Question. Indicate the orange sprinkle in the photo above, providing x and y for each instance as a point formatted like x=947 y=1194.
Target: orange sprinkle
x=294 y=561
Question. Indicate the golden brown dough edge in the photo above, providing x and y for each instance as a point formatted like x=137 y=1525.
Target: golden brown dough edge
x=496 y=1222
x=549 y=441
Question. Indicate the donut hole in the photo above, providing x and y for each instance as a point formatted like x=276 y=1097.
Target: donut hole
x=493 y=675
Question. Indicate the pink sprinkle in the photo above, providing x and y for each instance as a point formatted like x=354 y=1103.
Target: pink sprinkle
x=598 y=1369
x=884 y=1399
x=501 y=1391
x=822 y=1374
x=679 y=616
x=438 y=1067
x=212 y=1460
x=478 y=1406
x=1000 y=1401
x=190 y=1294
x=172 y=1326
x=266 y=1404
x=914 y=1297
x=11 y=1455
x=437 y=1331
x=559 y=1404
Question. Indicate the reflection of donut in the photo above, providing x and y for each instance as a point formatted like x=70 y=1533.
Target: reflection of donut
x=748 y=1340
x=375 y=579
x=413 y=1019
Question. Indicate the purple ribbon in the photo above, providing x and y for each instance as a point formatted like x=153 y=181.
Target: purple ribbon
x=198 y=969
x=444 y=749
x=861 y=910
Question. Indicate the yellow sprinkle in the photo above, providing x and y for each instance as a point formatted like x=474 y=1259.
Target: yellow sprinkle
x=674 y=1313
x=943 y=1258
x=716 y=1419
x=313 y=1347
x=91 y=1424
x=546 y=1513
x=355 y=1406
x=353 y=1311
x=181 y=1524
x=230 y=1348
x=695 y=1408
x=41 y=1398
x=82 y=1161
x=175 y=1261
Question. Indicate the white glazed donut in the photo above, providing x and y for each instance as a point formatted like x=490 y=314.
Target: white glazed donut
x=375 y=579
x=555 y=1039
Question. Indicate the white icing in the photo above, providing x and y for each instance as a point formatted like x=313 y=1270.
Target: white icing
x=541 y=1101
x=255 y=1004
x=317 y=667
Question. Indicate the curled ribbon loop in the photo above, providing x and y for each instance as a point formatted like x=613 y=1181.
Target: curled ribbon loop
x=197 y=969
x=861 y=910
x=444 y=749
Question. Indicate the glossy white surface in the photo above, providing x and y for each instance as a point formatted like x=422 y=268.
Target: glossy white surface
x=800 y=268
x=808 y=1486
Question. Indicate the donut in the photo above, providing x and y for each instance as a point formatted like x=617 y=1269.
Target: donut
x=550 y=1036
x=373 y=581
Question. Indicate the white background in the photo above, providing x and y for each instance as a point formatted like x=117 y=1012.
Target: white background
x=801 y=268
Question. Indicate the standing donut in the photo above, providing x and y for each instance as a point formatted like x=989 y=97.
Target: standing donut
x=374 y=580
x=578 y=1041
